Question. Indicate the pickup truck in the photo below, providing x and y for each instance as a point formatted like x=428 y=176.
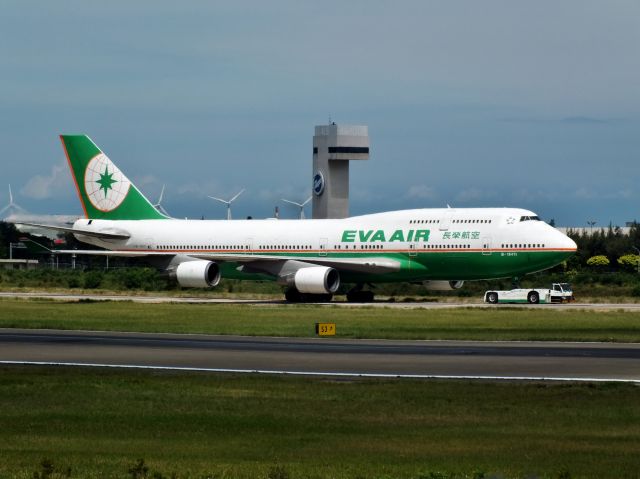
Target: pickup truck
x=558 y=293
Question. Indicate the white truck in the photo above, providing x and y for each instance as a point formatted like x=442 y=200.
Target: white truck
x=558 y=293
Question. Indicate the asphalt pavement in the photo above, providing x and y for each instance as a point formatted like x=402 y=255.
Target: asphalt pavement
x=526 y=360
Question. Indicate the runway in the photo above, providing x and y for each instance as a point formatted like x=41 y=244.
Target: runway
x=271 y=302
x=326 y=357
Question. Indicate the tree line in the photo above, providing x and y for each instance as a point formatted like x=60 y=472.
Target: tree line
x=607 y=248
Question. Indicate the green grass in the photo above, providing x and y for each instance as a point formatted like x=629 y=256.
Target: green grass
x=269 y=320
x=98 y=422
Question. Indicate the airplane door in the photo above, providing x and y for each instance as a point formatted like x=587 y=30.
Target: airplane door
x=486 y=245
x=323 y=247
x=445 y=221
x=413 y=249
x=248 y=245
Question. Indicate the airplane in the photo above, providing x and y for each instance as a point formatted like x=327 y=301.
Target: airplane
x=440 y=248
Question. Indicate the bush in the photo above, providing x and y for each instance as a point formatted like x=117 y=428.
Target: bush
x=137 y=278
x=598 y=261
x=629 y=261
x=73 y=282
x=93 y=279
x=611 y=279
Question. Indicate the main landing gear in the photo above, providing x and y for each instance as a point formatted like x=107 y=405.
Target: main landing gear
x=357 y=295
x=292 y=295
x=354 y=295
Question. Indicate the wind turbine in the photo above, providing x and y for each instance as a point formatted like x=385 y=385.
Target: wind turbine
x=228 y=202
x=12 y=204
x=159 y=206
x=299 y=205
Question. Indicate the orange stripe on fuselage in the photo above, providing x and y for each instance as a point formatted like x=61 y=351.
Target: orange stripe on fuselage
x=351 y=251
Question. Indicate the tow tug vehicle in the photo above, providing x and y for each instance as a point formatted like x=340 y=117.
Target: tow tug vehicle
x=558 y=293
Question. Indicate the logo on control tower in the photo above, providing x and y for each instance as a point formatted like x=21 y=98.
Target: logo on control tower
x=318 y=183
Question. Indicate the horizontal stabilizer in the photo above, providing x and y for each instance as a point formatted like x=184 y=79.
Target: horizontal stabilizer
x=94 y=234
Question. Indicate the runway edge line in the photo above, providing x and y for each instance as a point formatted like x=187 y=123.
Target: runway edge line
x=316 y=373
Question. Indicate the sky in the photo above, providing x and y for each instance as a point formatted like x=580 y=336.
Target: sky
x=468 y=103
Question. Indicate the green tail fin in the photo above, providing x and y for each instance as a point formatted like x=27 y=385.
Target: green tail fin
x=104 y=191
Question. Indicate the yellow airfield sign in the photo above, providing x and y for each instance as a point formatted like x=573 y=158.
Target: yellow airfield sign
x=326 y=329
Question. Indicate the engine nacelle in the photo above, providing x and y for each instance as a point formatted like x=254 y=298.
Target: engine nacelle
x=198 y=274
x=316 y=280
x=442 y=285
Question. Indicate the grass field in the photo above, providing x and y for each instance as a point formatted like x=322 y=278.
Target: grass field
x=99 y=422
x=270 y=320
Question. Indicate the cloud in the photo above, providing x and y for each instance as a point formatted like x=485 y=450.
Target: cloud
x=149 y=185
x=568 y=120
x=584 y=194
x=590 y=194
x=41 y=187
x=201 y=189
x=529 y=196
x=625 y=194
x=421 y=192
x=474 y=194
x=583 y=120
x=290 y=192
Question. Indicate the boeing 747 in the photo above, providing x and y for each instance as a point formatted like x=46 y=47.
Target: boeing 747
x=440 y=248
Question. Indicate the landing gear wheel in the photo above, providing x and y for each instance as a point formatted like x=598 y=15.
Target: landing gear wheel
x=492 y=298
x=360 y=296
x=292 y=295
x=320 y=298
x=533 y=297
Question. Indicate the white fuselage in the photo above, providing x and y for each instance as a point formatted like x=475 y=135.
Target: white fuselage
x=497 y=229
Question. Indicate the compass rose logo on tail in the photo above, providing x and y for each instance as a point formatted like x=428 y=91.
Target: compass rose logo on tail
x=105 y=184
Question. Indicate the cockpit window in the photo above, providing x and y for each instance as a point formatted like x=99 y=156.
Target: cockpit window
x=529 y=218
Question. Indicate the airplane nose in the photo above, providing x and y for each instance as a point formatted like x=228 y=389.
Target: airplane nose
x=570 y=244
x=566 y=243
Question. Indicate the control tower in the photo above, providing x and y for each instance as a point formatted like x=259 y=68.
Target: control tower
x=333 y=147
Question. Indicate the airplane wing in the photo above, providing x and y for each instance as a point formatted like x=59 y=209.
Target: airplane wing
x=113 y=235
x=360 y=265
x=108 y=252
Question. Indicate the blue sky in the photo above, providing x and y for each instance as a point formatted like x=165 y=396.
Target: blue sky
x=492 y=103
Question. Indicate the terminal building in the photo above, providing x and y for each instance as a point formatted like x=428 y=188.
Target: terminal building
x=333 y=147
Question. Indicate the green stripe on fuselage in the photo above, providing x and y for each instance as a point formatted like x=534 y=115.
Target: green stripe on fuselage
x=434 y=265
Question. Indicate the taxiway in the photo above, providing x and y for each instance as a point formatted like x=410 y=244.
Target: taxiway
x=328 y=357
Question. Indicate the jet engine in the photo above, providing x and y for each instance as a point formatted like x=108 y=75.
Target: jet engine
x=198 y=274
x=316 y=280
x=442 y=285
